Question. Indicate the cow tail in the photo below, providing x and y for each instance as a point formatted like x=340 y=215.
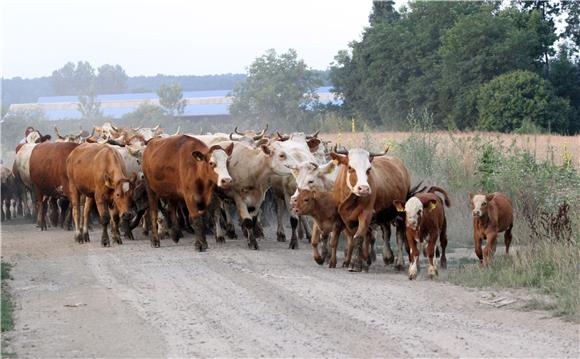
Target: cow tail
x=434 y=189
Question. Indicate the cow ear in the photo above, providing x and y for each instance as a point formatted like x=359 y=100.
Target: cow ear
x=399 y=205
x=230 y=149
x=266 y=149
x=108 y=181
x=430 y=204
x=470 y=194
x=339 y=159
x=313 y=144
x=328 y=168
x=199 y=156
x=489 y=197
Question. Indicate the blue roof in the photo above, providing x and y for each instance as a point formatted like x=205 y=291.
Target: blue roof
x=117 y=112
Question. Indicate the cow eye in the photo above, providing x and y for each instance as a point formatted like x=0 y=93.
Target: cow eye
x=282 y=155
x=368 y=171
x=212 y=164
x=311 y=182
x=484 y=203
x=305 y=199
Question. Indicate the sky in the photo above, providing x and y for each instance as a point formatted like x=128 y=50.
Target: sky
x=173 y=37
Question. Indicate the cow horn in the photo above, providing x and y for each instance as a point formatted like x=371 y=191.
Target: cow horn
x=315 y=134
x=237 y=132
x=373 y=155
x=177 y=132
x=282 y=138
x=114 y=127
x=261 y=134
x=232 y=136
x=114 y=141
x=156 y=128
x=335 y=150
x=57 y=133
x=137 y=129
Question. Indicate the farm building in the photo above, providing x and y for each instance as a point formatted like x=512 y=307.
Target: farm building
x=199 y=104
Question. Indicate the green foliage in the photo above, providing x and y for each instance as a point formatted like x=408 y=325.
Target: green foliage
x=277 y=91
x=171 y=99
x=505 y=102
x=565 y=78
x=7 y=322
x=111 y=79
x=73 y=79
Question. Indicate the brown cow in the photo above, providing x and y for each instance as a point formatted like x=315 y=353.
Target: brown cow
x=492 y=214
x=323 y=208
x=425 y=217
x=49 y=177
x=97 y=171
x=8 y=192
x=177 y=169
x=367 y=185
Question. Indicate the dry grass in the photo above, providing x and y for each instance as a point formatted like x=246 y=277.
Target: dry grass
x=544 y=147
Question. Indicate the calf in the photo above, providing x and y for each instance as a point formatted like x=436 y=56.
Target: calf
x=8 y=192
x=425 y=217
x=492 y=214
x=97 y=171
x=324 y=209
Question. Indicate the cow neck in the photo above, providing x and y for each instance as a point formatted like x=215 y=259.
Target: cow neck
x=320 y=212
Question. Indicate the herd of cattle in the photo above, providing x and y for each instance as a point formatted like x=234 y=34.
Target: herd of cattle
x=169 y=183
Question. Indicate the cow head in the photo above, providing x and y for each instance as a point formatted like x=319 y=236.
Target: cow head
x=280 y=159
x=122 y=193
x=303 y=203
x=479 y=203
x=218 y=159
x=311 y=176
x=414 y=210
x=358 y=162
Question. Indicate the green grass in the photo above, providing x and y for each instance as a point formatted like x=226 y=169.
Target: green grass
x=7 y=320
x=549 y=268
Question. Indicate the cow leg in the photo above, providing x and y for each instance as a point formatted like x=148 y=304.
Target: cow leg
x=432 y=271
x=89 y=201
x=334 y=236
x=280 y=235
x=372 y=254
x=230 y=228
x=114 y=220
x=489 y=249
x=52 y=202
x=219 y=230
x=314 y=242
x=348 y=251
x=325 y=247
x=76 y=204
x=153 y=208
x=198 y=227
x=508 y=239
x=174 y=223
x=443 y=242
x=41 y=211
x=400 y=233
x=388 y=256
x=104 y=218
x=306 y=227
x=413 y=258
x=258 y=227
x=360 y=243
x=247 y=223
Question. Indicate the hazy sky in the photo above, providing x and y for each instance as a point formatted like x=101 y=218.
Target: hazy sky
x=173 y=37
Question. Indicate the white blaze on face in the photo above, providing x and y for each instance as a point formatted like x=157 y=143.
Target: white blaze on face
x=479 y=203
x=358 y=160
x=307 y=177
x=282 y=160
x=413 y=211
x=218 y=161
x=125 y=187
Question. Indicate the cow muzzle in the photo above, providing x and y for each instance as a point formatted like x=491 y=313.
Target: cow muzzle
x=225 y=183
x=362 y=190
x=476 y=214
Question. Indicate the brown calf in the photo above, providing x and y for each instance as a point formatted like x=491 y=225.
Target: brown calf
x=97 y=171
x=492 y=214
x=425 y=217
x=323 y=208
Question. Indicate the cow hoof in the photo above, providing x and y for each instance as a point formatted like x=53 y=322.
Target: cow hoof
x=231 y=234
x=356 y=266
x=174 y=236
x=443 y=263
x=345 y=264
x=86 y=238
x=220 y=239
x=145 y=232
x=281 y=237
x=155 y=243
x=253 y=244
x=293 y=244
x=105 y=244
x=199 y=246
x=432 y=272
x=319 y=260
x=79 y=238
x=332 y=264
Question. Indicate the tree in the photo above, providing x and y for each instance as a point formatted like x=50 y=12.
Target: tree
x=111 y=79
x=145 y=114
x=518 y=98
x=171 y=99
x=278 y=90
x=73 y=80
x=89 y=106
x=565 y=78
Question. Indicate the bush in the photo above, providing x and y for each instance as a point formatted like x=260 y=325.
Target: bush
x=518 y=100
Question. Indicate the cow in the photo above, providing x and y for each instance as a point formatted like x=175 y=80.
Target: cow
x=97 y=171
x=367 y=185
x=49 y=178
x=8 y=192
x=78 y=138
x=180 y=169
x=425 y=217
x=323 y=208
x=492 y=214
x=251 y=170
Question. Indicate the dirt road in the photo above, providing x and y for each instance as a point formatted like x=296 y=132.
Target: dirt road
x=134 y=301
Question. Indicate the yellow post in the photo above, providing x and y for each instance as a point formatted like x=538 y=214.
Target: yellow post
x=353 y=126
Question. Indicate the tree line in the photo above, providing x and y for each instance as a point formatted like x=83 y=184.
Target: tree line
x=473 y=65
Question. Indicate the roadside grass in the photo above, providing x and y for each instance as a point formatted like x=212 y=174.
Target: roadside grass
x=7 y=320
